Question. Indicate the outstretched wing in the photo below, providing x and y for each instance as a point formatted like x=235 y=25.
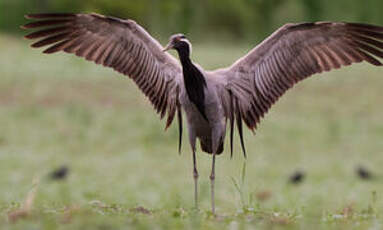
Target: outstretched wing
x=120 y=44
x=292 y=53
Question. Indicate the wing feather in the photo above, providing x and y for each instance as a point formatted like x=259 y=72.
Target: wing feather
x=119 y=44
x=291 y=54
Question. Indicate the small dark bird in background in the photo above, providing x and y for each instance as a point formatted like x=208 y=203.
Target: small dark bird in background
x=297 y=177
x=364 y=173
x=59 y=173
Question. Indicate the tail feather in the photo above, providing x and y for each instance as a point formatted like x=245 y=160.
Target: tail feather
x=207 y=146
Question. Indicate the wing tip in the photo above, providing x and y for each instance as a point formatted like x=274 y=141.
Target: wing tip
x=28 y=26
x=49 y=15
x=35 y=45
x=28 y=16
x=365 y=26
x=45 y=16
x=49 y=51
x=28 y=37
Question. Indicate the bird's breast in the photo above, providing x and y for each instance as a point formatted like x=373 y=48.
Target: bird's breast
x=195 y=120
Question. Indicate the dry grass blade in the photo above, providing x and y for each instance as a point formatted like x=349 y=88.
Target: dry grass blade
x=68 y=214
x=141 y=210
x=263 y=195
x=25 y=210
x=348 y=211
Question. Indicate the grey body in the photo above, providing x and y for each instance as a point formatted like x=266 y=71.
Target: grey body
x=211 y=133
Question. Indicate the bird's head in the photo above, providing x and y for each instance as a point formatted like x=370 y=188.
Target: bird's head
x=178 y=42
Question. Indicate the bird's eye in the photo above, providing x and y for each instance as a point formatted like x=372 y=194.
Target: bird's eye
x=182 y=36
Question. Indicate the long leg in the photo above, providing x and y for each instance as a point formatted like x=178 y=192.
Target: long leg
x=212 y=179
x=217 y=138
x=192 y=140
x=195 y=176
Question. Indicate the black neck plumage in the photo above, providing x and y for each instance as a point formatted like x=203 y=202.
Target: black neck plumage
x=194 y=80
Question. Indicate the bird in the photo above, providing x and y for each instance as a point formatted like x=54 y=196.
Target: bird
x=364 y=174
x=237 y=95
x=59 y=173
x=297 y=177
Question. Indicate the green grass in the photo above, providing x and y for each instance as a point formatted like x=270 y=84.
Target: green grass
x=60 y=110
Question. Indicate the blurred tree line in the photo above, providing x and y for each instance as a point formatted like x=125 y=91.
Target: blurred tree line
x=236 y=19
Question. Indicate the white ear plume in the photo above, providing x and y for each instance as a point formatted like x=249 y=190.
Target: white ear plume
x=187 y=41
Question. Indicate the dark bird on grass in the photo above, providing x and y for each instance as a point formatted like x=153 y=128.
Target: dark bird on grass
x=59 y=173
x=364 y=173
x=297 y=177
x=241 y=93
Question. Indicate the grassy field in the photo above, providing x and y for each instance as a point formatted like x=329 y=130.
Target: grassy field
x=126 y=172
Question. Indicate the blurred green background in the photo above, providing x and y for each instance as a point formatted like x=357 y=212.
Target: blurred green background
x=245 y=19
x=62 y=110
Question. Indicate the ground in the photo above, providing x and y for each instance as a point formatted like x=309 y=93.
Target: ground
x=124 y=170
